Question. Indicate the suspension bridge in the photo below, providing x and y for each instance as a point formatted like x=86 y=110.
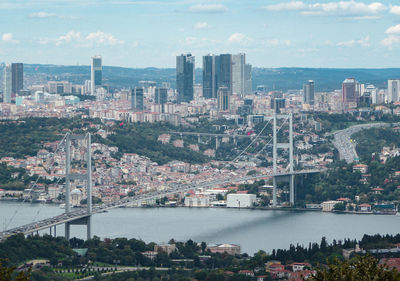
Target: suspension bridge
x=83 y=216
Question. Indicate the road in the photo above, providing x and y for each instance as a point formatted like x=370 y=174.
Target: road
x=347 y=148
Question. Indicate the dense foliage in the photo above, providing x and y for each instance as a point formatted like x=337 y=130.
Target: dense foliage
x=373 y=140
x=141 y=138
x=361 y=269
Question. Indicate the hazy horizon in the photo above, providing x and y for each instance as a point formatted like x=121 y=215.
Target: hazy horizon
x=137 y=34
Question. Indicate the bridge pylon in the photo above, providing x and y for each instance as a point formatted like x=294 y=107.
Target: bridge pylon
x=85 y=177
x=289 y=146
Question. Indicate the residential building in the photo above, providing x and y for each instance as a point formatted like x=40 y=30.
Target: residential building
x=328 y=206
x=185 y=75
x=230 y=249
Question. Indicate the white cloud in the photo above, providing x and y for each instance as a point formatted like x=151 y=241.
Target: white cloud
x=102 y=38
x=395 y=10
x=208 y=8
x=393 y=29
x=202 y=25
x=42 y=15
x=330 y=8
x=79 y=40
x=46 y=15
x=363 y=42
x=70 y=37
x=393 y=38
x=195 y=42
x=391 y=41
x=277 y=42
x=9 y=38
x=238 y=38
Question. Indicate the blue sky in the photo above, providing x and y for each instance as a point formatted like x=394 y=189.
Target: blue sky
x=133 y=33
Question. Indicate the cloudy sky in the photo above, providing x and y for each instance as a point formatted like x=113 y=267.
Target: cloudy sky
x=134 y=33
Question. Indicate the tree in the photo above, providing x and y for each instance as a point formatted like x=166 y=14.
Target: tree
x=361 y=269
x=6 y=273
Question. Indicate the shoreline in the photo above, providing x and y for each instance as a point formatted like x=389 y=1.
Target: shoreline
x=217 y=207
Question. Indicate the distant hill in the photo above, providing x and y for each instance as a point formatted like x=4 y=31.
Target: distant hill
x=326 y=79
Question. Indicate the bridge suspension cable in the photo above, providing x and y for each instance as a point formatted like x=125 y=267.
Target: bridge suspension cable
x=35 y=183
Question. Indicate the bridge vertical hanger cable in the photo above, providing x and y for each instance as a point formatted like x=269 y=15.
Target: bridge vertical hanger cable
x=240 y=154
x=35 y=183
x=271 y=138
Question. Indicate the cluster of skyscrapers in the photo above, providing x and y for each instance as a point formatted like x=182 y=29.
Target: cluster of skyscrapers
x=13 y=79
x=223 y=75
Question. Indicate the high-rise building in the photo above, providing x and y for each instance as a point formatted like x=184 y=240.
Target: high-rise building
x=393 y=94
x=96 y=74
x=238 y=73
x=209 y=77
x=161 y=97
x=7 y=83
x=308 y=89
x=224 y=99
x=248 y=83
x=185 y=67
x=223 y=65
x=137 y=103
x=17 y=70
x=349 y=91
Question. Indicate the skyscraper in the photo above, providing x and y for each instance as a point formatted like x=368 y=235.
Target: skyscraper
x=393 y=90
x=248 y=83
x=17 y=70
x=238 y=73
x=209 y=77
x=349 y=91
x=137 y=99
x=308 y=89
x=224 y=71
x=185 y=67
x=7 y=86
x=161 y=97
x=223 y=99
x=96 y=74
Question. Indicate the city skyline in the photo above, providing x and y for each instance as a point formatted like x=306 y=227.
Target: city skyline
x=337 y=34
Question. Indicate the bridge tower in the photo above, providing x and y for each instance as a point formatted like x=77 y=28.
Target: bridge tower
x=85 y=177
x=289 y=146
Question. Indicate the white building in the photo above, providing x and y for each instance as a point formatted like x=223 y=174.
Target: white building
x=393 y=90
x=197 y=201
x=328 y=206
x=240 y=200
